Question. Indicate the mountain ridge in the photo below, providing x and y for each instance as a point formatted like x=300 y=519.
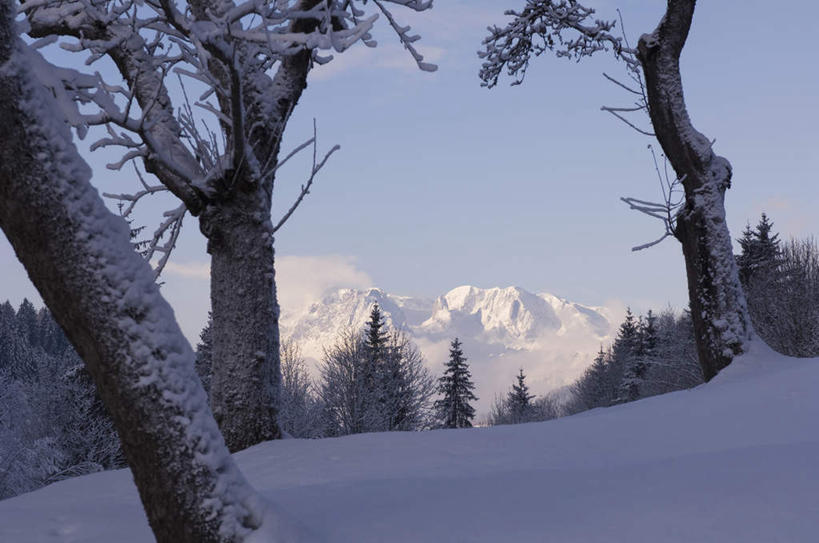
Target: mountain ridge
x=502 y=328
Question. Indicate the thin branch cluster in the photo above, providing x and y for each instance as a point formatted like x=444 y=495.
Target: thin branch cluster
x=238 y=66
x=563 y=27
x=667 y=210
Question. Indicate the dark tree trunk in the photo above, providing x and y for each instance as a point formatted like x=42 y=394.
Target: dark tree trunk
x=103 y=294
x=718 y=310
x=246 y=360
x=245 y=327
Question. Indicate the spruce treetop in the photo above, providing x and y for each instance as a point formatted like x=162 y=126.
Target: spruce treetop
x=456 y=386
x=376 y=333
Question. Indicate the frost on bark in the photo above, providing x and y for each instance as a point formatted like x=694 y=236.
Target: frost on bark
x=103 y=294
x=720 y=316
x=722 y=325
x=244 y=66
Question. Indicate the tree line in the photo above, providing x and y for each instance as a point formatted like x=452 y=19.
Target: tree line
x=654 y=354
x=53 y=424
x=370 y=380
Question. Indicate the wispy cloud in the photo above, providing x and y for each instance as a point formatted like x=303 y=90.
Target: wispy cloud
x=303 y=280
x=300 y=280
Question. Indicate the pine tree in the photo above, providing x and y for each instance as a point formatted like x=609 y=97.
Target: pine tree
x=204 y=356
x=376 y=332
x=27 y=322
x=379 y=373
x=593 y=389
x=768 y=245
x=624 y=350
x=52 y=338
x=760 y=254
x=637 y=364
x=746 y=244
x=454 y=410
x=8 y=334
x=519 y=401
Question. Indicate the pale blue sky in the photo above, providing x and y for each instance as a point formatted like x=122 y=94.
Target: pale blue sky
x=440 y=182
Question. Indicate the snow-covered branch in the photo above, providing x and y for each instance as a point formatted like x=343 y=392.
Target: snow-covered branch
x=248 y=60
x=134 y=198
x=170 y=227
x=564 y=27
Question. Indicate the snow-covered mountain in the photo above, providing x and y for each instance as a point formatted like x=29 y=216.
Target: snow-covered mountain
x=502 y=329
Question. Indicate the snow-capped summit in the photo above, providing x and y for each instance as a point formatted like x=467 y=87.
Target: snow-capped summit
x=511 y=316
x=503 y=329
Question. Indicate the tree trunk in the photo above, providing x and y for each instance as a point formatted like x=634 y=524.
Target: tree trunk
x=721 y=322
x=103 y=294
x=245 y=326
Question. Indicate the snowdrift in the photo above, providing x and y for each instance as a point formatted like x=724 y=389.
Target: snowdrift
x=733 y=460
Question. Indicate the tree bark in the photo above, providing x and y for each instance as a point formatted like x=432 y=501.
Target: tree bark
x=104 y=296
x=245 y=328
x=721 y=322
x=245 y=325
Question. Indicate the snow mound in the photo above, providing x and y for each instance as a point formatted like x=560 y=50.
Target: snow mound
x=732 y=460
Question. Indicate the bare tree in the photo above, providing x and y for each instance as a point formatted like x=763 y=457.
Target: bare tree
x=103 y=294
x=301 y=410
x=721 y=322
x=783 y=299
x=217 y=151
x=362 y=393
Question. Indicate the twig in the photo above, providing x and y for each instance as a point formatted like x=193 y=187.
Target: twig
x=305 y=189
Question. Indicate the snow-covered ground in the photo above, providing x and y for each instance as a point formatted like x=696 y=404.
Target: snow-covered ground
x=733 y=460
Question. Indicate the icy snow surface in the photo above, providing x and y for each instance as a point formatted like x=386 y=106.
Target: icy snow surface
x=734 y=460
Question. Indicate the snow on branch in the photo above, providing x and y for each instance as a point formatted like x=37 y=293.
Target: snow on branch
x=564 y=27
x=171 y=226
x=666 y=211
x=244 y=62
x=406 y=38
x=133 y=198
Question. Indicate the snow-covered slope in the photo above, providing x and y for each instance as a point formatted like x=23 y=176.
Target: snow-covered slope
x=732 y=460
x=502 y=329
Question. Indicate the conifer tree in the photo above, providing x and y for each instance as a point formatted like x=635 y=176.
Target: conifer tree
x=637 y=364
x=746 y=242
x=624 y=350
x=519 y=401
x=593 y=389
x=376 y=333
x=454 y=410
x=375 y=374
x=8 y=335
x=204 y=356
x=27 y=322
x=761 y=255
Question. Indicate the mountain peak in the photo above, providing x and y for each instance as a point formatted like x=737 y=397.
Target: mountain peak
x=551 y=338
